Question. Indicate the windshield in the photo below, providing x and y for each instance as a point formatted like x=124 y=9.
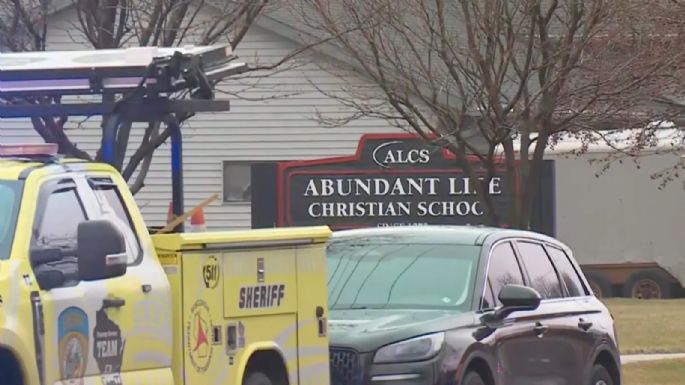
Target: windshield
x=381 y=275
x=10 y=192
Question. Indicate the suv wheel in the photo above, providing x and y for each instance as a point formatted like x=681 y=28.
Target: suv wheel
x=600 y=376
x=473 y=378
x=257 y=378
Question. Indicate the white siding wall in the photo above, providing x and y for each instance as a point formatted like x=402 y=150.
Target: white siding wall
x=277 y=129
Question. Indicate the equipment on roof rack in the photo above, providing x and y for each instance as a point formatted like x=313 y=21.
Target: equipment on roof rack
x=143 y=81
x=159 y=70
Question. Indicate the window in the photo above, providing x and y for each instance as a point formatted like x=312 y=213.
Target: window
x=567 y=272
x=504 y=269
x=237 y=181
x=10 y=192
x=58 y=224
x=112 y=208
x=488 y=299
x=56 y=227
x=381 y=274
x=543 y=277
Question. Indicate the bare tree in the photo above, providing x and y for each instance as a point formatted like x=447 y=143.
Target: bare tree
x=478 y=75
x=118 y=23
x=653 y=31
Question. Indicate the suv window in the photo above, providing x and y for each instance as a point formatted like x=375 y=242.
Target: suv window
x=58 y=224
x=504 y=270
x=112 y=208
x=568 y=274
x=543 y=276
x=376 y=273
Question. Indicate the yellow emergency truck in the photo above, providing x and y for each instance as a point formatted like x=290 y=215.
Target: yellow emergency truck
x=88 y=296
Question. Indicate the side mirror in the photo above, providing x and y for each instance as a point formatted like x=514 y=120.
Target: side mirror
x=101 y=250
x=519 y=297
x=515 y=298
x=48 y=277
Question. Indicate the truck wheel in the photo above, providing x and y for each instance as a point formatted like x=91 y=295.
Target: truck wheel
x=599 y=284
x=10 y=372
x=257 y=378
x=648 y=284
x=473 y=378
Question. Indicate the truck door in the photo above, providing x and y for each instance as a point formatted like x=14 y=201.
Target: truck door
x=100 y=331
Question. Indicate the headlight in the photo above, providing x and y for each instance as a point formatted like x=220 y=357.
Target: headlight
x=415 y=349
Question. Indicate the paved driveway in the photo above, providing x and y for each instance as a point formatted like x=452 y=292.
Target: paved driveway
x=629 y=358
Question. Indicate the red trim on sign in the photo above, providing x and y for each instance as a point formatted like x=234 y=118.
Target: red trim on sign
x=283 y=197
x=446 y=154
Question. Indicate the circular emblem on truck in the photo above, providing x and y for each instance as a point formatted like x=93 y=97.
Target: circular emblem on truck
x=198 y=336
x=72 y=329
x=210 y=272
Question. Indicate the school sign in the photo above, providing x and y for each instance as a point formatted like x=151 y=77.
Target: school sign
x=391 y=180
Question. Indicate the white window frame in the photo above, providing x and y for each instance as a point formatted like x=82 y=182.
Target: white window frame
x=224 y=163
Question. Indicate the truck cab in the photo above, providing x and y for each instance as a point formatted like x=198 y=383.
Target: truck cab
x=88 y=296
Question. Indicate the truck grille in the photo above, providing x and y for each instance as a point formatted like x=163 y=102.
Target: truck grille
x=346 y=367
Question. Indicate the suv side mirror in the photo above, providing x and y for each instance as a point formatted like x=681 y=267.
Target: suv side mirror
x=519 y=297
x=101 y=250
x=515 y=298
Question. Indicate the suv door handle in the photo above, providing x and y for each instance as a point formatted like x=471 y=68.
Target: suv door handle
x=585 y=325
x=113 y=302
x=540 y=329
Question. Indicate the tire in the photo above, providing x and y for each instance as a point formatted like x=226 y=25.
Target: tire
x=648 y=284
x=473 y=378
x=10 y=371
x=599 y=284
x=257 y=378
x=600 y=376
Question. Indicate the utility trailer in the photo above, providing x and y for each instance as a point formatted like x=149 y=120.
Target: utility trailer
x=90 y=296
x=627 y=233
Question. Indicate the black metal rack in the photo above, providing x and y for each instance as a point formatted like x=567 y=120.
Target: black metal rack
x=142 y=81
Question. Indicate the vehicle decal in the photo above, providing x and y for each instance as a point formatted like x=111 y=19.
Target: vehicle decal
x=210 y=272
x=38 y=333
x=261 y=296
x=198 y=336
x=167 y=258
x=72 y=337
x=108 y=345
x=111 y=379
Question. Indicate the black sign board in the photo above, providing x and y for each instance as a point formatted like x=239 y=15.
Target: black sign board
x=395 y=179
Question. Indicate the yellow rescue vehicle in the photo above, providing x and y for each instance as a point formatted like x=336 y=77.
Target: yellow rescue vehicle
x=87 y=294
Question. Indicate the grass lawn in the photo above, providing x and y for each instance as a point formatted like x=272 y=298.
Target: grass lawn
x=652 y=326
x=667 y=372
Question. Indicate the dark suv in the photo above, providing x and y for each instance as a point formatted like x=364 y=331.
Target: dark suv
x=464 y=306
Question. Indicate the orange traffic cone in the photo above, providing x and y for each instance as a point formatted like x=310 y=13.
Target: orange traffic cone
x=170 y=213
x=197 y=221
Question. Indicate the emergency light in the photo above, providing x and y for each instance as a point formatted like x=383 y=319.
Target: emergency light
x=27 y=150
